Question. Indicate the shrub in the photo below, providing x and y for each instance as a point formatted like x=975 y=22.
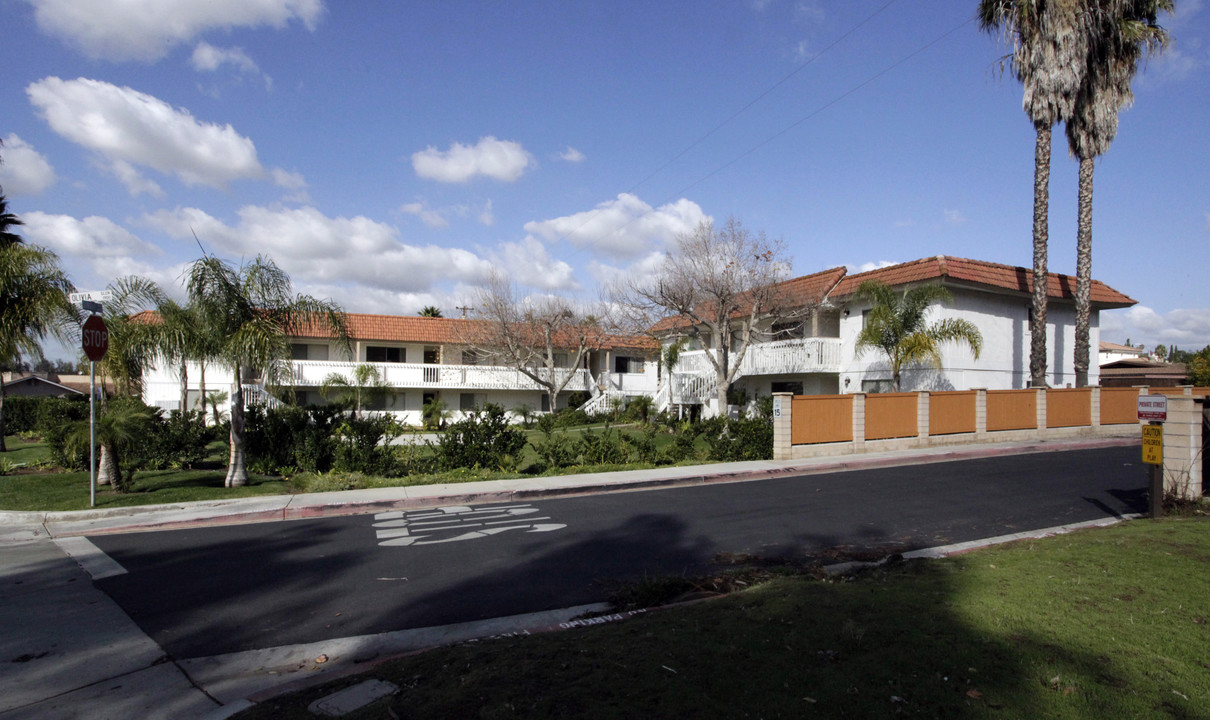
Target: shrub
x=20 y=414
x=363 y=445
x=576 y=399
x=483 y=439
x=290 y=436
x=56 y=417
x=557 y=450
x=743 y=439
x=643 y=446
x=603 y=448
x=177 y=441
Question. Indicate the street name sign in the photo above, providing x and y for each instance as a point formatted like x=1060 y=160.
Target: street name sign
x=1153 y=407
x=94 y=337
x=94 y=296
x=1153 y=444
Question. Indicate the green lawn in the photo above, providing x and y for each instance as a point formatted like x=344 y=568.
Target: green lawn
x=1106 y=623
x=69 y=490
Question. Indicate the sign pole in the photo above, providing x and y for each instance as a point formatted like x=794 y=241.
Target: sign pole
x=92 y=434
x=1156 y=473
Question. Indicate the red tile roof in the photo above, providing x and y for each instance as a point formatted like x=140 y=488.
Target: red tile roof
x=979 y=273
x=795 y=293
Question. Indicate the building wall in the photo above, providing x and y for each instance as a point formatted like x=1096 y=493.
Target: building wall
x=1003 y=364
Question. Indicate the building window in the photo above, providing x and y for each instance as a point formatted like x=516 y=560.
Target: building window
x=623 y=364
x=378 y=353
x=466 y=401
x=298 y=351
x=300 y=398
x=472 y=357
x=560 y=360
x=545 y=402
x=788 y=331
x=432 y=355
x=794 y=387
x=381 y=401
x=875 y=386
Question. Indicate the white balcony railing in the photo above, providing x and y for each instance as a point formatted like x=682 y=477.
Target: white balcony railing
x=311 y=373
x=644 y=383
x=783 y=357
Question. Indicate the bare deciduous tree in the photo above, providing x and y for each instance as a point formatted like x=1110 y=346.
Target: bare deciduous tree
x=720 y=286
x=545 y=338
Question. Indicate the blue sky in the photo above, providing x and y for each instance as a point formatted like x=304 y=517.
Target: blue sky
x=390 y=155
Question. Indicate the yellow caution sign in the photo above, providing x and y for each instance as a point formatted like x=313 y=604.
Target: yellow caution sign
x=1153 y=444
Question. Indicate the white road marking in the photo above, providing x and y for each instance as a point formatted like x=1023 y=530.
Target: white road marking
x=90 y=557
x=401 y=528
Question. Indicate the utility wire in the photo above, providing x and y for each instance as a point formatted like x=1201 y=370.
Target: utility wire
x=726 y=121
x=793 y=125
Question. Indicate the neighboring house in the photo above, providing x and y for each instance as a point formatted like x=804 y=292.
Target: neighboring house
x=37 y=385
x=1112 y=352
x=424 y=359
x=1128 y=372
x=817 y=355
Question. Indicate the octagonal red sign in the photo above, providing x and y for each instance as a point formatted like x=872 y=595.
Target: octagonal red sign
x=94 y=337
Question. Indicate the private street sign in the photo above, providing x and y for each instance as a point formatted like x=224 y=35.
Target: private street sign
x=1153 y=408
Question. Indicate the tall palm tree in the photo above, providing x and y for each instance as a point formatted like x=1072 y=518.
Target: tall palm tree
x=33 y=300
x=431 y=311
x=253 y=310
x=1128 y=31
x=1050 y=40
x=897 y=326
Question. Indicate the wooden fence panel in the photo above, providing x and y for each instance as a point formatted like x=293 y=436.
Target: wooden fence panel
x=952 y=412
x=1012 y=410
x=890 y=415
x=821 y=419
x=1119 y=406
x=1069 y=407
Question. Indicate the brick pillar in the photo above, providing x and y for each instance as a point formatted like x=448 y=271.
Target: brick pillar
x=1040 y=421
x=980 y=412
x=858 y=421
x=922 y=414
x=1183 y=447
x=1094 y=406
x=783 y=426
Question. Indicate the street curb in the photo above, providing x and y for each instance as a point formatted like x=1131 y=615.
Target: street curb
x=24 y=526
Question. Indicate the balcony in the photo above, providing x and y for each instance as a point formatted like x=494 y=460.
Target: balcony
x=783 y=357
x=642 y=383
x=311 y=373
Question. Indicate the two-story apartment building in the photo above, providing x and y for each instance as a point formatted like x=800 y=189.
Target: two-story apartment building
x=423 y=359
x=817 y=353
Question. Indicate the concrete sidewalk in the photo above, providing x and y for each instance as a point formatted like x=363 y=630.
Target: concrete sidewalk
x=68 y=651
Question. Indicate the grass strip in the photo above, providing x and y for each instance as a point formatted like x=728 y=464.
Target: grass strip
x=1101 y=623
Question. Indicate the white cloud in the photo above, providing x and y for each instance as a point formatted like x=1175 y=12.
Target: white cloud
x=147 y=29
x=208 y=58
x=93 y=237
x=25 y=171
x=1187 y=328
x=430 y=217
x=134 y=181
x=486 y=217
x=126 y=126
x=954 y=217
x=623 y=228
x=866 y=267
x=528 y=263
x=641 y=272
x=317 y=249
x=502 y=160
x=572 y=155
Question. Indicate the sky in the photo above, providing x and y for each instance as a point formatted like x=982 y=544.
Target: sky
x=392 y=155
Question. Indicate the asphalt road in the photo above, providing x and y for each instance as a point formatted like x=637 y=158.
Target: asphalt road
x=215 y=590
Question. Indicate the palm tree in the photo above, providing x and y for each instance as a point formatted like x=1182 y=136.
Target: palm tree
x=431 y=311
x=1129 y=30
x=253 y=311
x=1050 y=40
x=365 y=386
x=33 y=300
x=8 y=221
x=897 y=326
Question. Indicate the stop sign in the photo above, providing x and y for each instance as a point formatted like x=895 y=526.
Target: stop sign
x=95 y=337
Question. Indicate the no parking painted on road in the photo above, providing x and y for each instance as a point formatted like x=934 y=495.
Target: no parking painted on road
x=452 y=524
